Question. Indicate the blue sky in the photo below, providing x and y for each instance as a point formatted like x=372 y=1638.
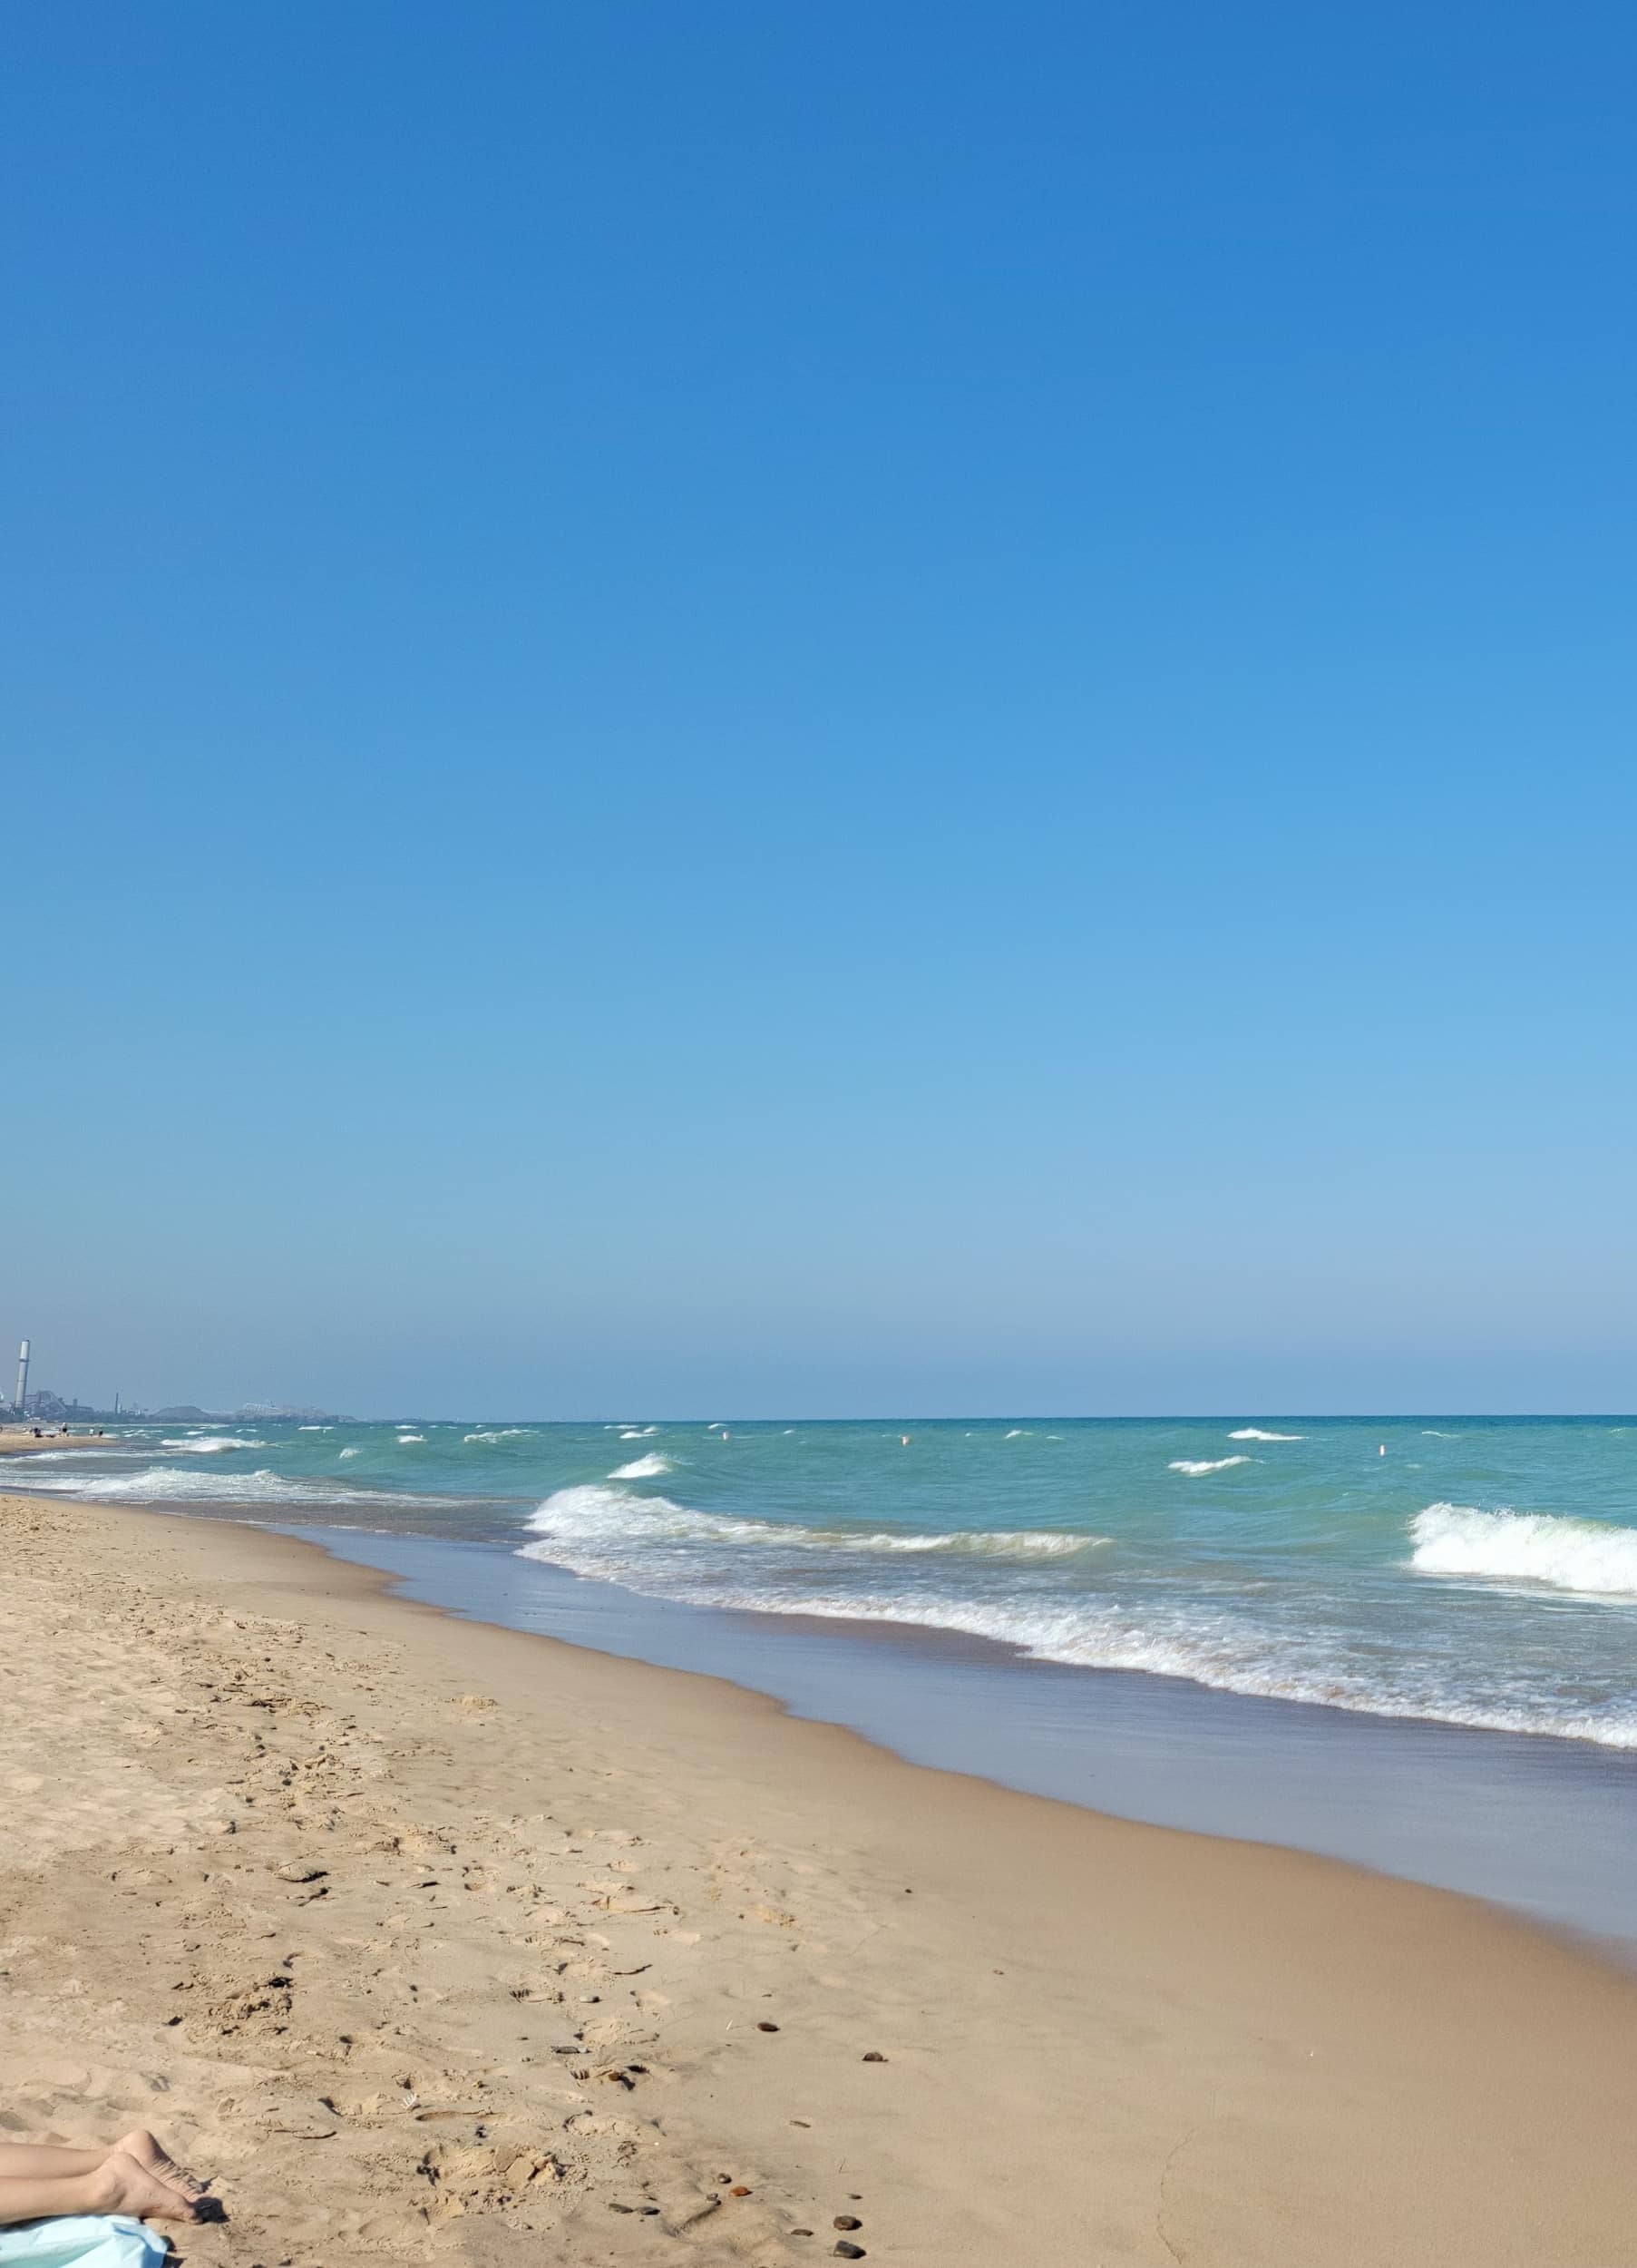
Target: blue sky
x=824 y=710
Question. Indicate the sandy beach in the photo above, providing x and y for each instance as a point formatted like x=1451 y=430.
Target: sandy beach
x=436 y=1940
x=21 y=1441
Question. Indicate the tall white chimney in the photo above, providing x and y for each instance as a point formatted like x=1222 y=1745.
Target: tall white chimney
x=23 y=1378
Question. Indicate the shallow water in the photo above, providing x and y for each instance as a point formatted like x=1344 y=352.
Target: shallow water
x=1549 y=1827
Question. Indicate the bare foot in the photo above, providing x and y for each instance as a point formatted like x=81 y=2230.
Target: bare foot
x=121 y=2186
x=153 y=2156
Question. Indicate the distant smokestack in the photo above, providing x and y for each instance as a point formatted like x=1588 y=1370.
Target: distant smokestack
x=23 y=1378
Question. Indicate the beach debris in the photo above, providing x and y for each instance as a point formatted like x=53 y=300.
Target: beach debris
x=738 y=2190
x=843 y=2250
x=767 y=2028
x=846 y=2220
x=295 y=1872
x=875 y=2055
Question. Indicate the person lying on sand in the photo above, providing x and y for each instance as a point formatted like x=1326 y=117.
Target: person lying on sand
x=134 y=2175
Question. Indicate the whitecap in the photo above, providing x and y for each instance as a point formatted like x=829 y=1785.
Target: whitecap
x=1255 y=1433
x=210 y=1444
x=1591 y=1556
x=595 y=1527
x=1205 y=1464
x=167 y=1484
x=403 y=1437
x=649 y=1468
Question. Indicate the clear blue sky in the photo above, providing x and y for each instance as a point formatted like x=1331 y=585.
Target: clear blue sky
x=821 y=709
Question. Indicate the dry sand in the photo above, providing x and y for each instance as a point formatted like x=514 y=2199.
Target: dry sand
x=19 y=1441
x=433 y=1940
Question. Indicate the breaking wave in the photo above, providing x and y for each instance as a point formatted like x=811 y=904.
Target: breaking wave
x=650 y=1467
x=666 y=1549
x=1197 y=1465
x=597 y=1531
x=1255 y=1433
x=1590 y=1557
x=209 y=1444
x=166 y=1484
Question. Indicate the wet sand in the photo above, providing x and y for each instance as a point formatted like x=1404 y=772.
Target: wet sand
x=438 y=1941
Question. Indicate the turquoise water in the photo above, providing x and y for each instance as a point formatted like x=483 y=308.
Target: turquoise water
x=1480 y=1572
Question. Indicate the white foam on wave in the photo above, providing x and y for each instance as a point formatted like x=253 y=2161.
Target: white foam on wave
x=637 y=1432
x=1211 y=1653
x=169 y=1484
x=210 y=1444
x=1196 y=1465
x=649 y=1468
x=1590 y=1557
x=1255 y=1433
x=645 y=1543
x=352 y=1452
x=500 y=1433
x=596 y=1530
x=403 y=1437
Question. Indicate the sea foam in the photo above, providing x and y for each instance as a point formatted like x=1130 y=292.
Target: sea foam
x=1591 y=1556
x=210 y=1444
x=649 y=1468
x=596 y=1529
x=1255 y=1433
x=670 y=1550
x=168 y=1484
x=1197 y=1465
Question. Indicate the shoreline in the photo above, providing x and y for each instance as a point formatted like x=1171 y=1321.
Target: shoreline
x=1163 y=2044
x=1543 y=1823
x=1544 y=1826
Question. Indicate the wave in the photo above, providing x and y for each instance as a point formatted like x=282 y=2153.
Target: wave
x=1255 y=1433
x=1590 y=1557
x=637 y=1432
x=650 y=1467
x=210 y=1444
x=499 y=1433
x=352 y=1452
x=644 y=1544
x=403 y=1437
x=1197 y=1465
x=593 y=1525
x=168 y=1484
